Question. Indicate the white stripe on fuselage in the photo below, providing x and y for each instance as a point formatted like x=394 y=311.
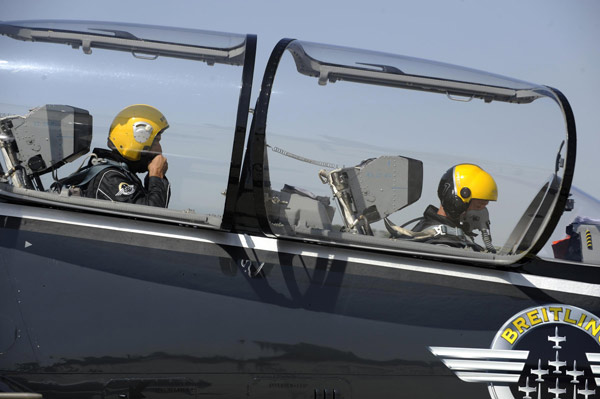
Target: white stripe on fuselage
x=296 y=248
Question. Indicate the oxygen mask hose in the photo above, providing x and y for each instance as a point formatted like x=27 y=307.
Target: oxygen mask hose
x=487 y=240
x=480 y=220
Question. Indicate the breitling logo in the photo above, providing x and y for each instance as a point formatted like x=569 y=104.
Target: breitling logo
x=125 y=189
x=552 y=314
x=546 y=352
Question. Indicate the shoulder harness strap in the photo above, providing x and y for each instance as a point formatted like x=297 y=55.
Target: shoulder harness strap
x=87 y=174
x=444 y=229
x=430 y=232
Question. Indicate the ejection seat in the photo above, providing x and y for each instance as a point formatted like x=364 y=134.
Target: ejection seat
x=366 y=193
x=42 y=141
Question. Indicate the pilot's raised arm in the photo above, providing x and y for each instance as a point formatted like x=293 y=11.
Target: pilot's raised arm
x=464 y=192
x=134 y=142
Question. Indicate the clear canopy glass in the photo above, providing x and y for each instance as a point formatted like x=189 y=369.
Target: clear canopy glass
x=125 y=64
x=331 y=63
x=208 y=46
x=325 y=133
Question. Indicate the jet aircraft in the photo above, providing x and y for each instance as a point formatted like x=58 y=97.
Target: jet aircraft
x=527 y=389
x=557 y=364
x=557 y=391
x=539 y=372
x=575 y=373
x=557 y=339
x=586 y=392
x=287 y=264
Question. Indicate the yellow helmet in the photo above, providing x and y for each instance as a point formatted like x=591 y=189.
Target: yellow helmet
x=462 y=183
x=134 y=128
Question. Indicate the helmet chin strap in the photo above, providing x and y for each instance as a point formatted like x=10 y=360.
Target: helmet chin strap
x=442 y=212
x=141 y=166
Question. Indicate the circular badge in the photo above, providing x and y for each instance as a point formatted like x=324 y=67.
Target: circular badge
x=544 y=352
x=562 y=343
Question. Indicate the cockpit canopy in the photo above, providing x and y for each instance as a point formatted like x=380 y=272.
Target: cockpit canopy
x=140 y=40
x=335 y=111
x=333 y=63
x=346 y=146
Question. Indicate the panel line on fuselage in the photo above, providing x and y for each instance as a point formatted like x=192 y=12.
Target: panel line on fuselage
x=296 y=248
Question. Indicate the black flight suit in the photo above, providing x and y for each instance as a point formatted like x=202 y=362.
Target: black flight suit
x=118 y=184
x=431 y=219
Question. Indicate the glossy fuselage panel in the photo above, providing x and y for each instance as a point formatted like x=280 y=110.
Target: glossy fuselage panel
x=168 y=311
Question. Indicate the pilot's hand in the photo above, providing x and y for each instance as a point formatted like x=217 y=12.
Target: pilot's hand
x=158 y=166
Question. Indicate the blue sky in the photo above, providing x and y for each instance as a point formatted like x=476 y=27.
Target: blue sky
x=543 y=41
